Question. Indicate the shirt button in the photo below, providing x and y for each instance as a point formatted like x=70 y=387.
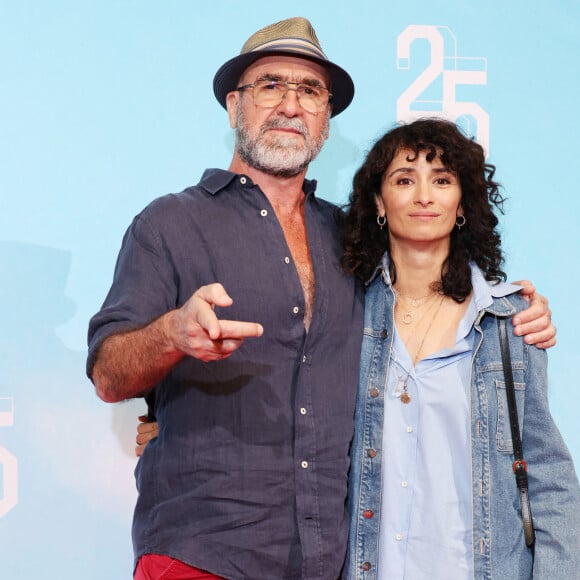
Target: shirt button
x=304 y=359
x=374 y=392
x=399 y=537
x=404 y=484
x=384 y=333
x=287 y=260
x=366 y=566
x=372 y=453
x=409 y=429
x=304 y=464
x=296 y=310
x=302 y=411
x=243 y=180
x=368 y=514
x=264 y=213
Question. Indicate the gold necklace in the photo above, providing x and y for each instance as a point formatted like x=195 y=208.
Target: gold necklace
x=405 y=398
x=408 y=317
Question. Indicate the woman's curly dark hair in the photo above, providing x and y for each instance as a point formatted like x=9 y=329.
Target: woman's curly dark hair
x=364 y=242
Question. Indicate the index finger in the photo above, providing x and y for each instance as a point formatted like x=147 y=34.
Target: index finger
x=239 y=329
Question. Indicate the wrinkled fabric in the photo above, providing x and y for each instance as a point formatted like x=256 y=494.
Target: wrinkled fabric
x=248 y=476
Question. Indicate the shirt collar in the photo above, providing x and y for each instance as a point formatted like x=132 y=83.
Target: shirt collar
x=483 y=291
x=382 y=267
x=215 y=180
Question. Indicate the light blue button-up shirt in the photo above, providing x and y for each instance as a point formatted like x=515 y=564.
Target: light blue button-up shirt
x=426 y=484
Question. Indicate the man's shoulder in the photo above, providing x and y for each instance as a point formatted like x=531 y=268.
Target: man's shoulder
x=171 y=204
x=178 y=201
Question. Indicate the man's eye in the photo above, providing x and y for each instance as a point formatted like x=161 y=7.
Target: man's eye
x=307 y=90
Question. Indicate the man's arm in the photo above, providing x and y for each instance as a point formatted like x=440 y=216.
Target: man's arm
x=130 y=363
x=535 y=323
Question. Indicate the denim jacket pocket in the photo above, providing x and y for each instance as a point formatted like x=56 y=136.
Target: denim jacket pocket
x=504 y=435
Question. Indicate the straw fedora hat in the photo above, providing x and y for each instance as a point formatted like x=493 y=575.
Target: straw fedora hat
x=293 y=36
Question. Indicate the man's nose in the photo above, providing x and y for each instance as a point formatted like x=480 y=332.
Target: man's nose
x=290 y=103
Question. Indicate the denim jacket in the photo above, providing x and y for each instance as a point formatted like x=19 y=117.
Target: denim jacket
x=499 y=550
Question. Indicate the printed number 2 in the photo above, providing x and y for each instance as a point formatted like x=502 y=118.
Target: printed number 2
x=449 y=107
x=8 y=463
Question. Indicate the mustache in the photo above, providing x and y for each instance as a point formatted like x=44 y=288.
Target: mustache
x=294 y=124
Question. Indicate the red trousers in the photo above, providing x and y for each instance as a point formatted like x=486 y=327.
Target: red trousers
x=157 y=567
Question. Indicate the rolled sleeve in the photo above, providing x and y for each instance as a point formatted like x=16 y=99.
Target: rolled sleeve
x=143 y=287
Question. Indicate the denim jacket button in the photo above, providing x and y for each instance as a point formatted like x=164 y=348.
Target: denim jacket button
x=366 y=566
x=368 y=514
x=372 y=453
x=374 y=392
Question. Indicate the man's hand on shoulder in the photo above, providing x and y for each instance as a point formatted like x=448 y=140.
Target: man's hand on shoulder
x=535 y=323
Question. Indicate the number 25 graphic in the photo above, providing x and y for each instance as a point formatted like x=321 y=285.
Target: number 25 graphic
x=448 y=107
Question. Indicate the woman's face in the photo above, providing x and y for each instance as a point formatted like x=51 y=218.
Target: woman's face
x=420 y=199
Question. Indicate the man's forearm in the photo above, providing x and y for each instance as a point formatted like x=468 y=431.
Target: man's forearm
x=128 y=364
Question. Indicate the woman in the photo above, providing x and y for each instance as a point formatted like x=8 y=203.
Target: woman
x=432 y=492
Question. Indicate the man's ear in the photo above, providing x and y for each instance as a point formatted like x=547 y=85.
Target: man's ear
x=232 y=101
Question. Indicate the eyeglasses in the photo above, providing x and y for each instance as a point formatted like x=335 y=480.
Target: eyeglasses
x=269 y=94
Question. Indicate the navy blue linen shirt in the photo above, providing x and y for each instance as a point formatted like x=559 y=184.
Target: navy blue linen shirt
x=248 y=476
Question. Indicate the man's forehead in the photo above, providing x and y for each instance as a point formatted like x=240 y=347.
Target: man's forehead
x=290 y=67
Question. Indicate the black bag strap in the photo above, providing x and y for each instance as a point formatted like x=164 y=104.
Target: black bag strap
x=520 y=466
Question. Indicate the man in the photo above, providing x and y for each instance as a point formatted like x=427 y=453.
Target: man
x=247 y=476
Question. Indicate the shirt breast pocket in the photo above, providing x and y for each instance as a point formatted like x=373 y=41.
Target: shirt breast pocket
x=504 y=434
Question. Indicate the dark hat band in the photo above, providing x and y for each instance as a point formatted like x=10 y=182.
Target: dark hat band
x=294 y=45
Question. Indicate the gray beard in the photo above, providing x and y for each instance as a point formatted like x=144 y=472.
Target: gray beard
x=283 y=156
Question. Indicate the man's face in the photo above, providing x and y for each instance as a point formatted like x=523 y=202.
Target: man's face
x=281 y=140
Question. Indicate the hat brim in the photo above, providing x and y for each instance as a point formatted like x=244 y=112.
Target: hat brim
x=228 y=75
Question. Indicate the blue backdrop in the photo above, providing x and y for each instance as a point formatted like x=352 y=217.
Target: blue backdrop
x=107 y=105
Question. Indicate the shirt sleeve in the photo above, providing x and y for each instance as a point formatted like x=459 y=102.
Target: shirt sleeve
x=553 y=485
x=144 y=286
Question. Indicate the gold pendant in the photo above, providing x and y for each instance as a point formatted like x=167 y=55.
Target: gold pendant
x=405 y=398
